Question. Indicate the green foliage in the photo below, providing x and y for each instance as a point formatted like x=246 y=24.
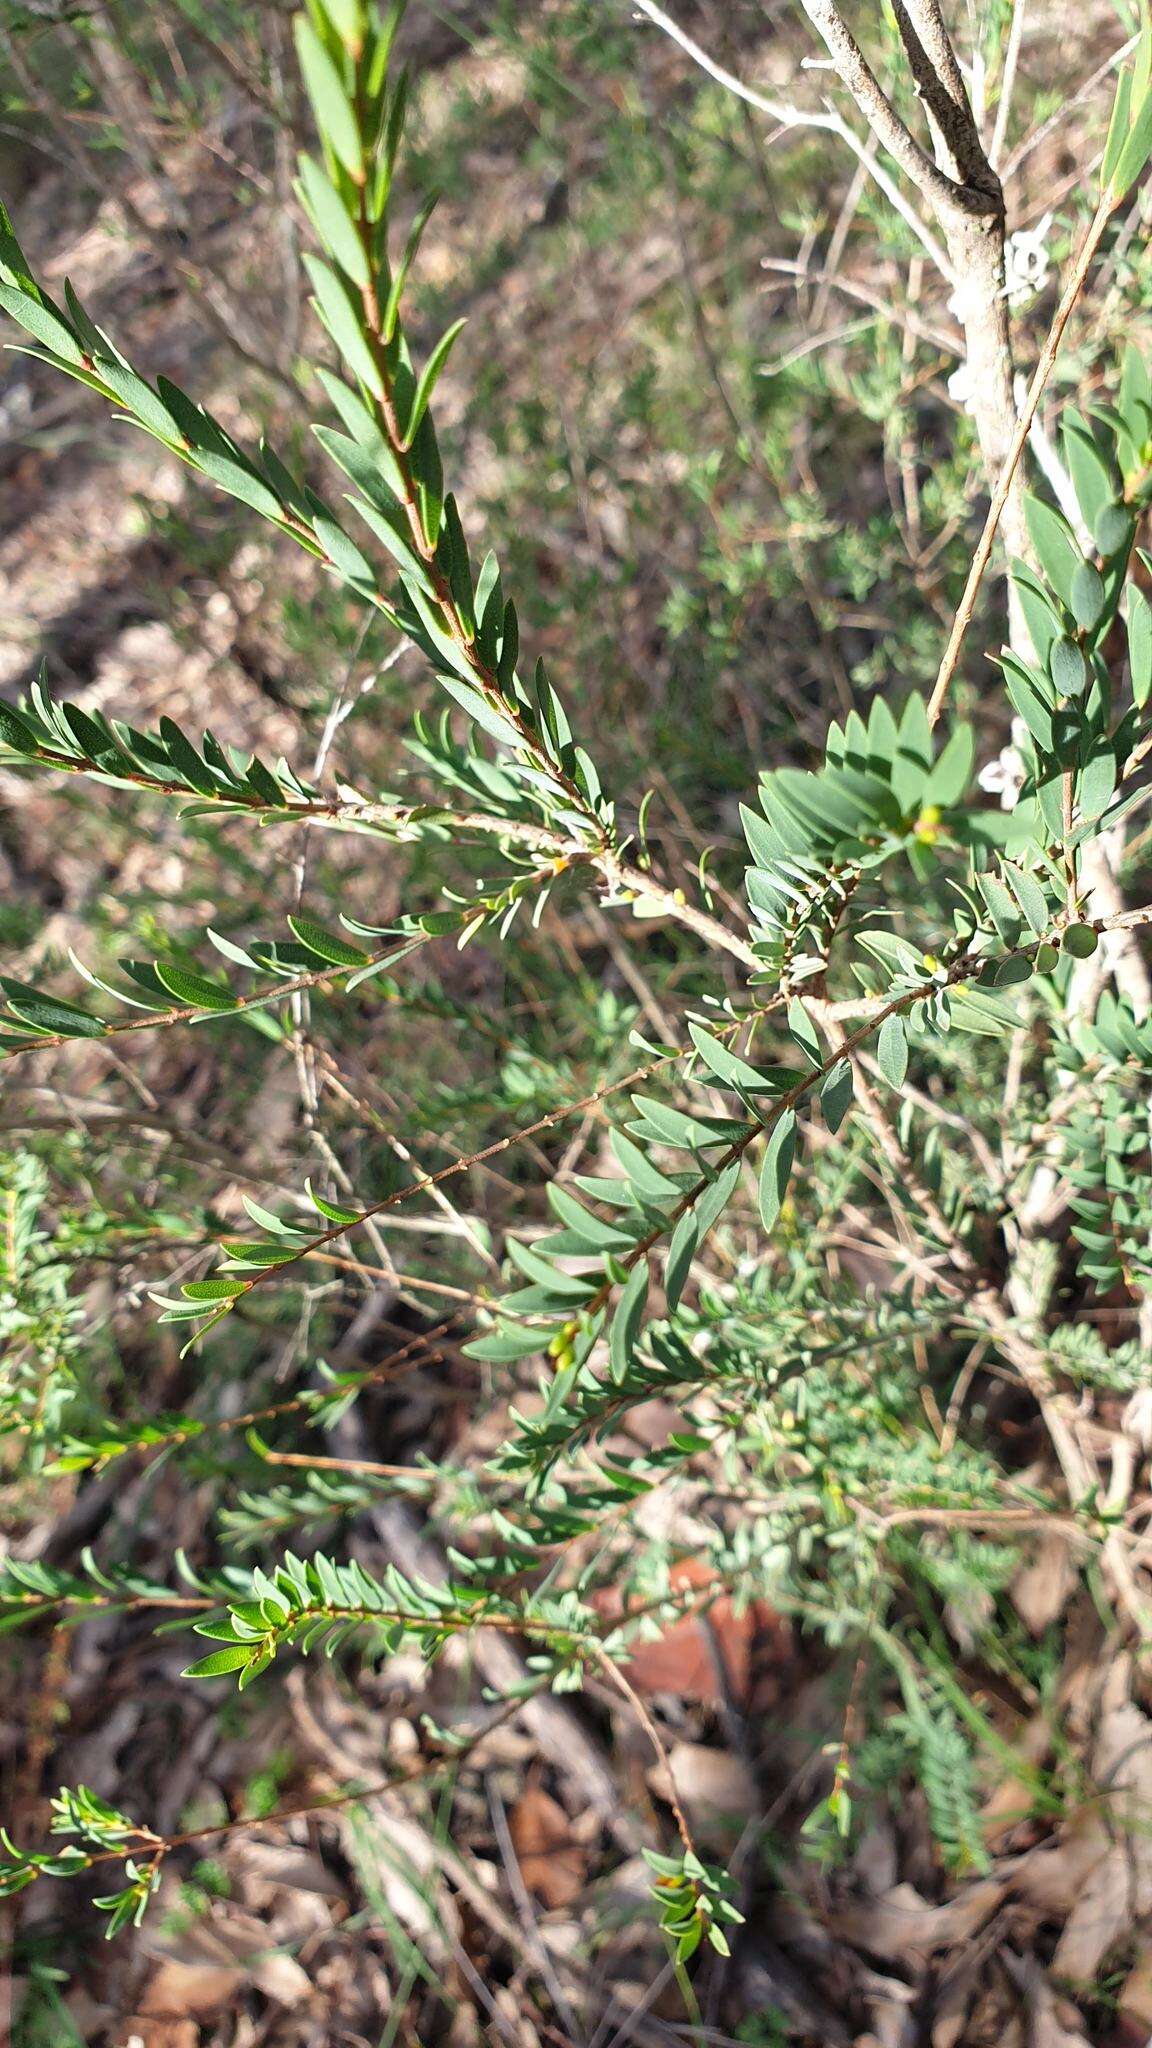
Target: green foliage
x=107 y=1836
x=77 y=742
x=318 y=1600
x=1105 y=1143
x=695 y=1901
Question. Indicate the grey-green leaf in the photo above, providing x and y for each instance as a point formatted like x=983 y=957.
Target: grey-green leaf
x=330 y=218
x=341 y=315
x=777 y=1166
x=627 y=1320
x=681 y=1253
x=428 y=377
x=330 y=102
x=892 y=1050
x=1140 y=644
x=836 y=1095
x=1087 y=596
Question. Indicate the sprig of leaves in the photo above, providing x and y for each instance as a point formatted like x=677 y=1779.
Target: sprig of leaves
x=106 y=1834
x=696 y=1902
x=308 y=1601
x=387 y=448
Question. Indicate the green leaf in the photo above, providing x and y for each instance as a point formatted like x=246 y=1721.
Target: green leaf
x=727 y=1066
x=194 y=989
x=139 y=398
x=40 y=319
x=49 y=1013
x=1096 y=782
x=1039 y=608
x=396 y=289
x=1112 y=530
x=15 y=732
x=254 y=1253
x=345 y=1217
x=627 y=1320
x=836 y=1095
x=1092 y=473
x=428 y=377
x=1129 y=143
x=1086 y=596
x=681 y=1253
x=711 y=1205
x=1055 y=545
x=951 y=773
x=330 y=102
x=389 y=528
x=485 y=715
x=1140 y=644
x=343 y=316
x=1050 y=799
x=1035 y=713
x=14 y=269
x=1118 y=128
x=1001 y=908
x=1134 y=409
x=325 y=943
x=381 y=464
x=219 y=1661
x=91 y=737
x=892 y=1050
x=186 y=762
x=670 y=1126
x=239 y=482
x=330 y=218
x=803 y=1032
x=596 y=1234
x=777 y=1166
x=563 y=1286
x=505 y=1346
x=1030 y=896
x=1067 y=668
x=346 y=558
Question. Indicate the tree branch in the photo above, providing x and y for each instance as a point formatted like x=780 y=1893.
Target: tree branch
x=790 y=116
x=854 y=71
x=940 y=85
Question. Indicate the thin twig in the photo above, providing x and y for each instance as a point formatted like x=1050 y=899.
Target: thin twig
x=1007 y=83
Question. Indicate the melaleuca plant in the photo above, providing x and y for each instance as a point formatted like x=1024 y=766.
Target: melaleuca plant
x=904 y=942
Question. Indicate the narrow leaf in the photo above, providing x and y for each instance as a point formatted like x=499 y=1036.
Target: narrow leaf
x=428 y=377
x=777 y=1166
x=892 y=1050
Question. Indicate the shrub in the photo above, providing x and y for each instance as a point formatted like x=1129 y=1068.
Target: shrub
x=930 y=1010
